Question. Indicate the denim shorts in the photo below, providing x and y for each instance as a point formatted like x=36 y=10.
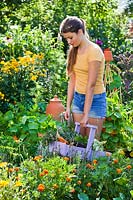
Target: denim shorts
x=98 y=107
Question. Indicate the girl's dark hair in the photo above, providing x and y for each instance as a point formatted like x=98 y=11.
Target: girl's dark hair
x=72 y=24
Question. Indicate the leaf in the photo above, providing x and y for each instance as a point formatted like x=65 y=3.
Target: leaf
x=83 y=196
x=131 y=192
x=118 y=115
x=13 y=129
x=33 y=125
x=121 y=180
x=24 y=118
x=122 y=196
x=115 y=139
x=105 y=136
x=9 y=115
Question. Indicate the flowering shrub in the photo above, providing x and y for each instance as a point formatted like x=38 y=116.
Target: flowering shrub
x=65 y=178
x=29 y=71
x=37 y=179
x=19 y=76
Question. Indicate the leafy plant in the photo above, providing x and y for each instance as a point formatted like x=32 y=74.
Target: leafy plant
x=55 y=177
x=125 y=64
x=117 y=130
x=21 y=128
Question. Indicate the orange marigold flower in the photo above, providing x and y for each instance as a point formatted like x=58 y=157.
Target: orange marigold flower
x=37 y=158
x=55 y=186
x=17 y=178
x=90 y=166
x=41 y=187
x=45 y=171
x=11 y=170
x=79 y=182
x=118 y=171
x=95 y=161
x=68 y=179
x=41 y=174
x=129 y=167
x=66 y=158
x=15 y=138
x=88 y=184
x=115 y=161
x=16 y=169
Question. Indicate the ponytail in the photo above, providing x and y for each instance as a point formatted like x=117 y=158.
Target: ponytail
x=71 y=60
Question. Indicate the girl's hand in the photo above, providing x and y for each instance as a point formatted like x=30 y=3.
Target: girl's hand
x=84 y=121
x=67 y=114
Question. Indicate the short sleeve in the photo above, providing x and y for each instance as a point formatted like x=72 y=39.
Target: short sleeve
x=95 y=53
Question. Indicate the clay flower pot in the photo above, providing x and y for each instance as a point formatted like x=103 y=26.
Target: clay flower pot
x=108 y=55
x=55 y=108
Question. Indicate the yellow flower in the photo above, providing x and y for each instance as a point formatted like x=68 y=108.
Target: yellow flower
x=121 y=152
x=18 y=184
x=4 y=183
x=131 y=154
x=3 y=164
x=2 y=62
x=41 y=56
x=2 y=95
x=55 y=186
x=33 y=78
x=28 y=53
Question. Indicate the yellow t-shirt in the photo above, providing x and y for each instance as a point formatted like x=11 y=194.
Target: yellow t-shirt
x=92 y=53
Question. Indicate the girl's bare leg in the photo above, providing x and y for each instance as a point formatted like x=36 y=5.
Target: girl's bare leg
x=93 y=121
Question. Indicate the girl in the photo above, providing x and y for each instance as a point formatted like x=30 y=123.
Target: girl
x=85 y=68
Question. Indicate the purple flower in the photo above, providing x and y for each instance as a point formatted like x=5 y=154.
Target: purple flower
x=99 y=42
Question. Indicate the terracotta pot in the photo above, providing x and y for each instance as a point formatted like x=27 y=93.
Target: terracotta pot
x=108 y=55
x=55 y=108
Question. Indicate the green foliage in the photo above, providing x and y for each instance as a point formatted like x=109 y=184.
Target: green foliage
x=25 y=89
x=35 y=74
x=19 y=129
x=125 y=64
x=102 y=19
x=118 y=127
x=61 y=178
